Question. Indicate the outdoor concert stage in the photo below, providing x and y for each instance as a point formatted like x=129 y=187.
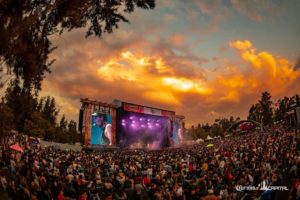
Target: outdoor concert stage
x=127 y=125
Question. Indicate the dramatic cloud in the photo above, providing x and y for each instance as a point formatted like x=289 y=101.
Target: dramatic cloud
x=154 y=78
x=182 y=56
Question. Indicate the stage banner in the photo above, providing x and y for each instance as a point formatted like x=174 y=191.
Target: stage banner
x=146 y=110
x=152 y=111
x=133 y=108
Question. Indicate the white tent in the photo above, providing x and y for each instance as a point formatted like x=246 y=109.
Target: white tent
x=209 y=138
x=199 y=140
x=227 y=135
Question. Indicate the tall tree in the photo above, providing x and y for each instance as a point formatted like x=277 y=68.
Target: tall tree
x=50 y=111
x=72 y=131
x=266 y=108
x=63 y=123
x=27 y=25
x=40 y=104
x=22 y=102
x=281 y=109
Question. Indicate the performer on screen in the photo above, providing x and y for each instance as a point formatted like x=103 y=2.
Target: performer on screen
x=108 y=132
x=180 y=136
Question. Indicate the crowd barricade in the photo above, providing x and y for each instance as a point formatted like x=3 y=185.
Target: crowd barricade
x=61 y=146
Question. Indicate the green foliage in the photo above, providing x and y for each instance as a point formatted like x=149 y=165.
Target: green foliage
x=37 y=126
x=67 y=132
x=35 y=117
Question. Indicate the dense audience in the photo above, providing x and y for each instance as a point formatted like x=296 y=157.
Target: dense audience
x=190 y=172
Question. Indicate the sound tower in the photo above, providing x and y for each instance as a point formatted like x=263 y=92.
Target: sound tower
x=80 y=121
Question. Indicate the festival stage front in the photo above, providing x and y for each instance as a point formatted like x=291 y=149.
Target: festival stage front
x=127 y=125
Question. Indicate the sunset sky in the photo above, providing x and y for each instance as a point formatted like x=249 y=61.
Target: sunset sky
x=203 y=59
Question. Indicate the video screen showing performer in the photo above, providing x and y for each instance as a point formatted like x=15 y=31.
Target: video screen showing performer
x=101 y=130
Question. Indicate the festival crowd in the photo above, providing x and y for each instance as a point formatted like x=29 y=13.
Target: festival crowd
x=268 y=158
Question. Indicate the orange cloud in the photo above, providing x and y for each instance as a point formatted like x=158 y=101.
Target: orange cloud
x=273 y=73
x=160 y=79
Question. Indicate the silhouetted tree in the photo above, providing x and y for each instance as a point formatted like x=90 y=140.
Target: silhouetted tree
x=6 y=119
x=266 y=108
x=49 y=110
x=27 y=25
x=72 y=132
x=22 y=103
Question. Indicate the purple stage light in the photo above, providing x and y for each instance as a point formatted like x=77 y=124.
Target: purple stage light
x=132 y=117
x=141 y=119
x=133 y=122
x=133 y=125
x=143 y=126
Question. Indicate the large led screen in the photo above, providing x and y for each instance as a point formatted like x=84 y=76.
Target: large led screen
x=101 y=129
x=143 y=131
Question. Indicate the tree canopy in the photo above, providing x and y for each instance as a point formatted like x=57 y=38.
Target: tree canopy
x=26 y=26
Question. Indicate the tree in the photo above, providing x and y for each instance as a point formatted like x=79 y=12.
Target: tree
x=262 y=111
x=50 y=111
x=252 y=113
x=282 y=108
x=40 y=104
x=61 y=130
x=72 y=132
x=6 y=119
x=22 y=103
x=63 y=123
x=266 y=108
x=37 y=126
x=297 y=98
x=27 y=25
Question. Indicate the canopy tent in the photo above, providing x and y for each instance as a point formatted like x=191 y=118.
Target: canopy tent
x=199 y=140
x=16 y=147
x=209 y=138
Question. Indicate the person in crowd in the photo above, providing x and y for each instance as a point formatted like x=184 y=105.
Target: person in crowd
x=268 y=158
